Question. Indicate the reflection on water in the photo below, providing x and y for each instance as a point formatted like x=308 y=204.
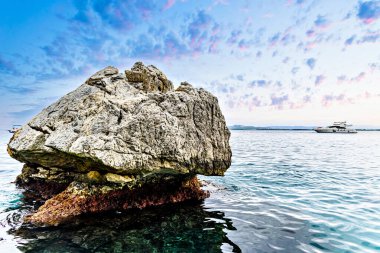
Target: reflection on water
x=286 y=191
x=174 y=228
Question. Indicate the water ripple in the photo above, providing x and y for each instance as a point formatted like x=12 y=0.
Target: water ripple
x=309 y=192
x=286 y=191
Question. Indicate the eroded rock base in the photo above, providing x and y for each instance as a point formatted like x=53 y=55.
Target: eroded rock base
x=81 y=198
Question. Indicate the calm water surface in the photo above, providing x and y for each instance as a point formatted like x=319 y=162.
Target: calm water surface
x=286 y=191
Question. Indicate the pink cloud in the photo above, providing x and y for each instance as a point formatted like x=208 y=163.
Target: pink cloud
x=369 y=20
x=169 y=4
x=213 y=48
x=359 y=77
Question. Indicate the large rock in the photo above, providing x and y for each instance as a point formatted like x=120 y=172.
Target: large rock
x=126 y=129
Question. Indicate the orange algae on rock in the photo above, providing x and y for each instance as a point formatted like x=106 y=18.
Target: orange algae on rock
x=82 y=198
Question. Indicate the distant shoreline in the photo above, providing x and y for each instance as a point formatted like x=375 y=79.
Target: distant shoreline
x=287 y=128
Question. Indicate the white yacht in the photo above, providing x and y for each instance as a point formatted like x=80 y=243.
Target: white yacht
x=337 y=127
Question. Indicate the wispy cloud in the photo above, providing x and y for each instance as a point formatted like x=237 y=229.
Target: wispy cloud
x=270 y=60
x=371 y=37
x=369 y=11
x=258 y=83
x=25 y=114
x=197 y=30
x=327 y=100
x=311 y=62
x=117 y=14
x=359 y=77
x=7 y=66
x=319 y=79
x=350 y=40
x=321 y=22
x=279 y=101
x=19 y=89
x=169 y=4
x=234 y=36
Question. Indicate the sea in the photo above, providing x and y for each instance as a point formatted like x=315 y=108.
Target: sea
x=286 y=191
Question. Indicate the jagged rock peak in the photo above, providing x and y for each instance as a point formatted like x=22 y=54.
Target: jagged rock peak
x=148 y=78
x=108 y=71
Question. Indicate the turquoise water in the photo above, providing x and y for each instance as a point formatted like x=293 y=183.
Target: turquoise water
x=286 y=191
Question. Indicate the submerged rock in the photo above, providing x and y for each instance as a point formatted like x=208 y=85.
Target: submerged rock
x=130 y=132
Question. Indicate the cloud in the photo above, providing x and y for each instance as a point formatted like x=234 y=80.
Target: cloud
x=197 y=30
x=173 y=45
x=221 y=87
x=319 y=80
x=369 y=11
x=370 y=38
x=278 y=101
x=244 y=45
x=169 y=4
x=234 y=36
x=247 y=100
x=27 y=109
x=321 y=22
x=213 y=44
x=350 y=40
x=24 y=114
x=341 y=78
x=296 y=2
x=327 y=100
x=259 y=54
x=7 y=67
x=60 y=52
x=352 y=80
x=310 y=33
x=359 y=77
x=201 y=37
x=240 y=77
x=258 y=83
x=311 y=62
x=284 y=38
x=306 y=99
x=166 y=46
x=274 y=39
x=255 y=101
x=278 y=83
x=19 y=89
x=144 y=46
x=106 y=33
x=374 y=66
x=252 y=102
x=117 y=14
x=287 y=38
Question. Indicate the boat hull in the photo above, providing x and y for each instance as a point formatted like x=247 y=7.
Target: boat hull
x=335 y=130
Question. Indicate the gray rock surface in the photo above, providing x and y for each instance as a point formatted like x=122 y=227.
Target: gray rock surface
x=128 y=123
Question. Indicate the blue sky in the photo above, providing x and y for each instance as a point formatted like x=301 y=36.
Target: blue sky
x=269 y=62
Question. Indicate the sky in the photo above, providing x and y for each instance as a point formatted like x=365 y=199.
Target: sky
x=269 y=62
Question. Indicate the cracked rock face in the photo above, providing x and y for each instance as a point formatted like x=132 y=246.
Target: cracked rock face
x=124 y=128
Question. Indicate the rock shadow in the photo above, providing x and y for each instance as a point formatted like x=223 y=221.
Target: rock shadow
x=185 y=227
